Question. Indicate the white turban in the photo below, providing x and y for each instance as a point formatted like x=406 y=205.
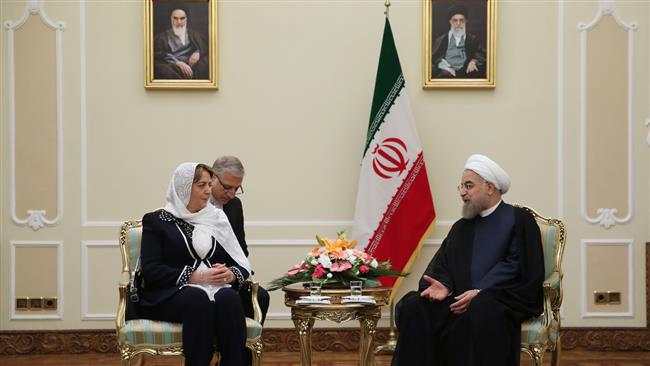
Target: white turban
x=489 y=170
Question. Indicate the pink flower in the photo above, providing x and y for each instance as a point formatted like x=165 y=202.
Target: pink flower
x=364 y=269
x=319 y=271
x=295 y=269
x=340 y=266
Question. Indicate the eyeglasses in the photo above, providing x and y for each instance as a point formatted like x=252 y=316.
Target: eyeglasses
x=467 y=186
x=235 y=190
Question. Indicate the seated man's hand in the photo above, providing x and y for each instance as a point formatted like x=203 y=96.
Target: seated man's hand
x=436 y=290
x=463 y=301
x=472 y=66
x=451 y=71
x=194 y=58
x=186 y=70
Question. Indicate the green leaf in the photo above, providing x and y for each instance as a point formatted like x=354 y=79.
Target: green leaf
x=371 y=282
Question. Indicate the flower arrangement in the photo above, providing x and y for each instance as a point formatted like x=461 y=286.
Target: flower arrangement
x=337 y=263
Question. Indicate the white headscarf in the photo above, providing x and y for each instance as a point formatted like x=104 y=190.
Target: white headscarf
x=208 y=222
x=489 y=170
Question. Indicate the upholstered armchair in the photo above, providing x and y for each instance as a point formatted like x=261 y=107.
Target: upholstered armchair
x=144 y=336
x=543 y=332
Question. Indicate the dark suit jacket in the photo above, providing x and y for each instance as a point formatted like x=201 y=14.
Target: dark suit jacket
x=235 y=213
x=165 y=256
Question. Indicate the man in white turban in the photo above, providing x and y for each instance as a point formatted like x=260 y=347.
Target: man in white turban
x=483 y=282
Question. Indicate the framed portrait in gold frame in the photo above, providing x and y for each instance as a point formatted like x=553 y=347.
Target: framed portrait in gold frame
x=459 y=39
x=180 y=44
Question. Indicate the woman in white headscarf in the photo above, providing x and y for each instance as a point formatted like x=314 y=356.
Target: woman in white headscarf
x=192 y=266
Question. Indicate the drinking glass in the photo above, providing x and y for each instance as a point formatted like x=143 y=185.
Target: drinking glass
x=314 y=289
x=355 y=288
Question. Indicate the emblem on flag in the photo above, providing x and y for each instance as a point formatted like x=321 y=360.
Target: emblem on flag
x=389 y=159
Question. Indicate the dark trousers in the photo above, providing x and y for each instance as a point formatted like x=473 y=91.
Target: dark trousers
x=487 y=334
x=204 y=321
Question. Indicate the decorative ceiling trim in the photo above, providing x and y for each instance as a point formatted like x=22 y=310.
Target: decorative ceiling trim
x=35 y=217
x=607 y=217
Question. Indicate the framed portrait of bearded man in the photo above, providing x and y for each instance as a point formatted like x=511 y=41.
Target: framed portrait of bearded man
x=180 y=44
x=459 y=43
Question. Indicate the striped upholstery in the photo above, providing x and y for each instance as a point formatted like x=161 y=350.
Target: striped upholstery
x=153 y=336
x=543 y=332
x=154 y=332
x=549 y=241
x=151 y=332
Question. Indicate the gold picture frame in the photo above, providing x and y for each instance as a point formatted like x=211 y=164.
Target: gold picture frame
x=473 y=57
x=180 y=44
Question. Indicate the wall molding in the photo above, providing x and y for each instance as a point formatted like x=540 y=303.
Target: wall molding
x=306 y=242
x=560 y=109
x=607 y=217
x=85 y=246
x=59 y=276
x=584 y=243
x=35 y=217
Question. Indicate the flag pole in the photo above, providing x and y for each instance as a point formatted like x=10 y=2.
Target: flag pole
x=389 y=346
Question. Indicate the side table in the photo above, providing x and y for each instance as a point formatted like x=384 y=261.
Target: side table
x=304 y=316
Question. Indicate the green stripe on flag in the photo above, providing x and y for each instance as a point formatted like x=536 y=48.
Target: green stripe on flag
x=388 y=84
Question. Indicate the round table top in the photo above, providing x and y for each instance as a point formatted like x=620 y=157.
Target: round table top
x=294 y=291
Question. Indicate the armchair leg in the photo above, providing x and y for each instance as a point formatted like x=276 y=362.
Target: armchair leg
x=555 y=353
x=256 y=350
x=536 y=353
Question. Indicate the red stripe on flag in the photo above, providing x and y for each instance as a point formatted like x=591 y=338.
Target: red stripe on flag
x=405 y=222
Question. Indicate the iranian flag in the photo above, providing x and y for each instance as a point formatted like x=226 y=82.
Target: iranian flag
x=394 y=211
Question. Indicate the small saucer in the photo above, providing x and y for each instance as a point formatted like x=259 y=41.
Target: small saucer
x=358 y=299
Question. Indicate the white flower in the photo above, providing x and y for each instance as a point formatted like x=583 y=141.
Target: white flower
x=374 y=263
x=325 y=261
x=329 y=275
x=313 y=262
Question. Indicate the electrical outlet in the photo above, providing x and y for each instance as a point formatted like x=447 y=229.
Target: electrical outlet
x=614 y=297
x=35 y=303
x=607 y=297
x=50 y=303
x=601 y=297
x=22 y=303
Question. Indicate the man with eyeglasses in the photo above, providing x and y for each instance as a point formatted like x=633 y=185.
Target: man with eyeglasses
x=483 y=282
x=226 y=189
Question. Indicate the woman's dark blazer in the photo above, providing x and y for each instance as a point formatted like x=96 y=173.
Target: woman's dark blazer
x=168 y=261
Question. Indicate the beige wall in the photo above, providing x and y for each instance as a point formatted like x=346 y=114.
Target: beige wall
x=295 y=86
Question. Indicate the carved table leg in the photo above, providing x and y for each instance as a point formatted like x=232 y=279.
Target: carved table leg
x=368 y=327
x=304 y=327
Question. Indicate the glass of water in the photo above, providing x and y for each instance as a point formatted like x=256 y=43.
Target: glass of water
x=355 y=288
x=315 y=289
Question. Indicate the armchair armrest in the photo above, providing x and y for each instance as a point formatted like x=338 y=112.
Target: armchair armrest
x=553 y=290
x=121 y=305
x=553 y=281
x=257 y=310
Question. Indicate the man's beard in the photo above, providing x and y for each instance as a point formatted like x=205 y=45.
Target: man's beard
x=471 y=210
x=180 y=32
x=458 y=32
